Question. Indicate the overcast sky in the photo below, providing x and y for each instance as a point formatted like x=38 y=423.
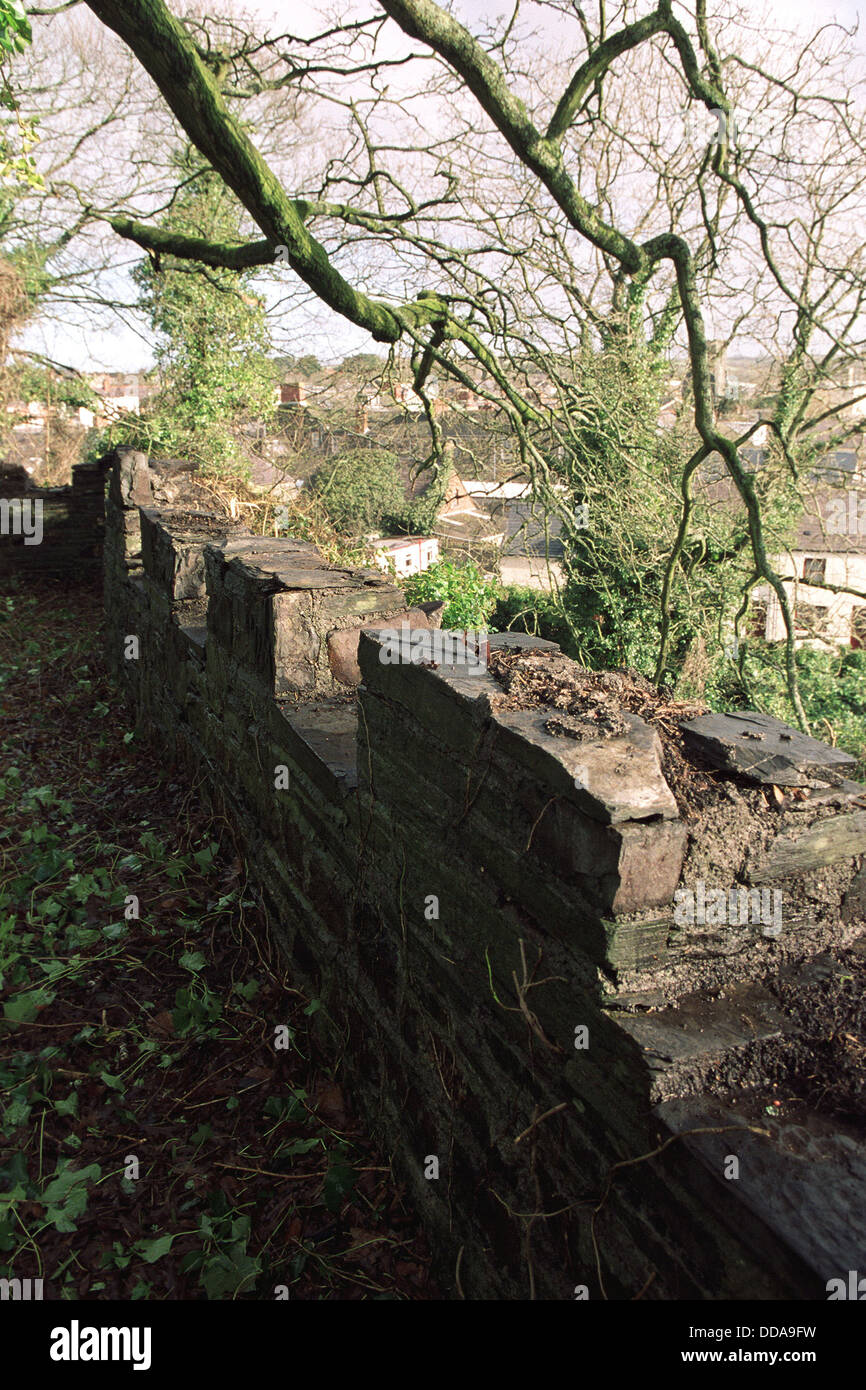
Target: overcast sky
x=321 y=331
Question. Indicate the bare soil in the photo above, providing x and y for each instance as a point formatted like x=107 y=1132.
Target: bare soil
x=202 y=524
x=826 y=1061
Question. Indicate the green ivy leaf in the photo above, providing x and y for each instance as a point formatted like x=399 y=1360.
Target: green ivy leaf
x=339 y=1180
x=192 y=960
x=153 y=1250
x=225 y=1274
x=69 y=1106
x=25 y=1007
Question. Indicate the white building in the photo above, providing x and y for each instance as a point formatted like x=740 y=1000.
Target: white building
x=830 y=549
x=406 y=554
x=498 y=491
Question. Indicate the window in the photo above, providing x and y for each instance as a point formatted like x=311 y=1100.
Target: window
x=809 y=619
x=814 y=571
x=757 y=620
x=858 y=628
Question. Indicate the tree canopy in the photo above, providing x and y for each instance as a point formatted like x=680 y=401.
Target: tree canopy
x=516 y=198
x=212 y=340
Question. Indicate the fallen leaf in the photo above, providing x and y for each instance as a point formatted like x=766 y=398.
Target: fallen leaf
x=331 y=1105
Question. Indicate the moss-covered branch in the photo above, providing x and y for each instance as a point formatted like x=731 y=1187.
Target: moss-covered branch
x=190 y=88
x=167 y=53
x=220 y=255
x=596 y=65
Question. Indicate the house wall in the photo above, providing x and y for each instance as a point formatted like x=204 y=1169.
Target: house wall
x=841 y=569
x=413 y=557
x=531 y=572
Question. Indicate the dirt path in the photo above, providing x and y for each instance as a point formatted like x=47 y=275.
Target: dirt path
x=154 y=1143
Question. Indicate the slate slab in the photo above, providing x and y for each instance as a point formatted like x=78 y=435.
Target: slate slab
x=824 y=842
x=810 y=1202
x=681 y=1045
x=612 y=780
x=764 y=749
x=521 y=642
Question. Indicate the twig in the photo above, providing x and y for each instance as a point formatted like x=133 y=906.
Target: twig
x=642 y=1158
x=554 y=1110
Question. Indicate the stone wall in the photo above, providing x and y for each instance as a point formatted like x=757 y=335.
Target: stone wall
x=479 y=904
x=52 y=531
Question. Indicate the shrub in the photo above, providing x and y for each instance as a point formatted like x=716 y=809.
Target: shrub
x=358 y=489
x=521 y=609
x=469 y=598
x=832 y=688
x=418 y=515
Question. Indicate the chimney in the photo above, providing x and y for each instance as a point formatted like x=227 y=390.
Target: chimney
x=293 y=393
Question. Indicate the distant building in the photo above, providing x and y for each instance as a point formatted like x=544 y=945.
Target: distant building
x=120 y=393
x=407 y=554
x=497 y=491
x=532 y=551
x=830 y=548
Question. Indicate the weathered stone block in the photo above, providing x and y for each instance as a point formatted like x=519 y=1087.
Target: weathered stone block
x=765 y=750
x=173 y=556
x=343 y=644
x=616 y=779
x=132 y=480
x=296 y=643
x=650 y=863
